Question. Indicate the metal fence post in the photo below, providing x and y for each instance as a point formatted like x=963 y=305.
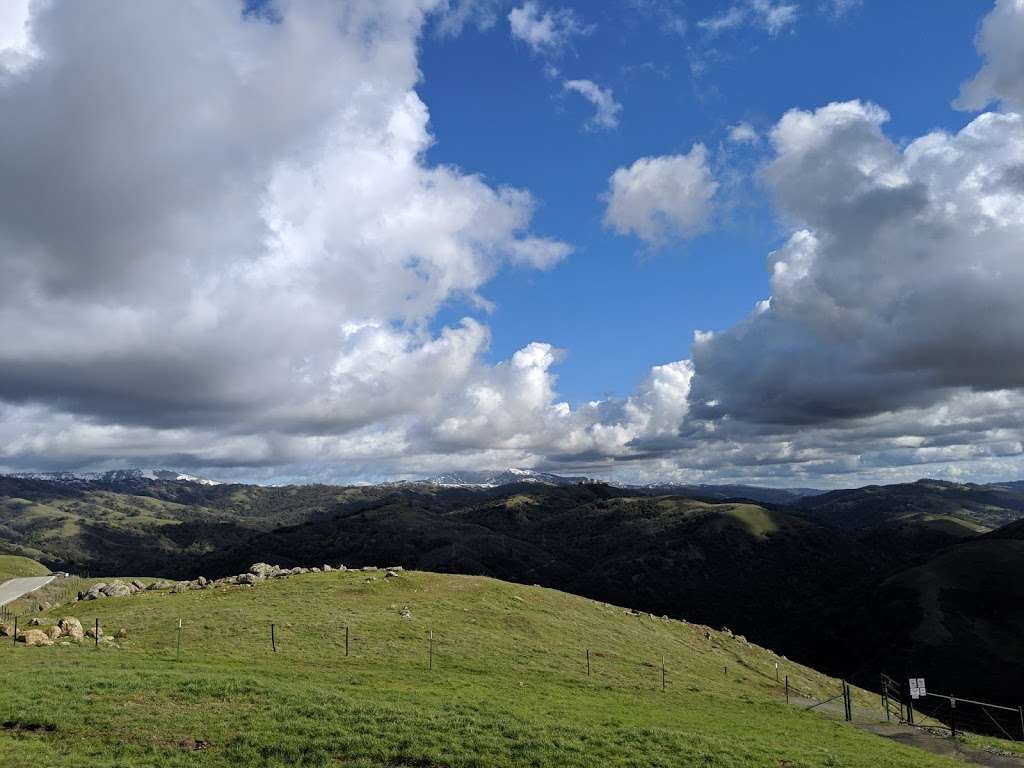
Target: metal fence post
x=952 y=716
x=787 y=689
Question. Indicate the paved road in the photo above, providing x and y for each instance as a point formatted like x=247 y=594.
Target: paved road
x=15 y=588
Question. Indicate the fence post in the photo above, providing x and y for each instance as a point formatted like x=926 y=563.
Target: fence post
x=885 y=699
x=96 y=632
x=346 y=640
x=14 y=639
x=1020 y=711
x=273 y=638
x=430 y=659
x=952 y=716
x=588 y=662
x=662 y=673
x=787 y=689
x=178 y=658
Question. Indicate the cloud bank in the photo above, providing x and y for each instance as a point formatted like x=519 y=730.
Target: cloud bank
x=193 y=278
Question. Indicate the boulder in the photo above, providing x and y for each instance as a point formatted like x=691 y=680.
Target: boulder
x=34 y=637
x=405 y=613
x=121 y=634
x=6 y=630
x=341 y=568
x=91 y=632
x=71 y=627
x=158 y=585
x=94 y=592
x=390 y=574
x=35 y=622
x=137 y=585
x=181 y=586
x=327 y=568
x=264 y=571
x=117 y=589
x=369 y=567
x=248 y=578
x=53 y=632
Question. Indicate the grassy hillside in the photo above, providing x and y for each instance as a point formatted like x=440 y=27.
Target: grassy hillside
x=508 y=687
x=12 y=566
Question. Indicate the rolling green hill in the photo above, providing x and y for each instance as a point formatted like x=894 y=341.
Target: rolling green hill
x=508 y=684
x=12 y=566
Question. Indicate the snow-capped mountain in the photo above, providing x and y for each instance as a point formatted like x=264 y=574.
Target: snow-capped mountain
x=495 y=478
x=116 y=476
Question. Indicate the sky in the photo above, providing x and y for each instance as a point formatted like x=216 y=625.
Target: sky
x=773 y=242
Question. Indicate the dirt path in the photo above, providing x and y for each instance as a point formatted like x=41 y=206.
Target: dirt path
x=872 y=722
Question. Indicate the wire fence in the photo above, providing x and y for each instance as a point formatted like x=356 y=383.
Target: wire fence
x=952 y=715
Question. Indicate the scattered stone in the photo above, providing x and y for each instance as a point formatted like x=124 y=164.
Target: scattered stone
x=53 y=632
x=6 y=630
x=91 y=632
x=181 y=586
x=35 y=622
x=116 y=589
x=248 y=578
x=71 y=627
x=369 y=567
x=327 y=568
x=159 y=585
x=121 y=634
x=391 y=574
x=139 y=586
x=342 y=568
x=405 y=613
x=34 y=637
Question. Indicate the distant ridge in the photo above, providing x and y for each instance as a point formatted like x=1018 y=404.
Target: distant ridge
x=496 y=478
x=114 y=476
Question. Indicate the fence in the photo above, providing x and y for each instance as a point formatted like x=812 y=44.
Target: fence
x=951 y=714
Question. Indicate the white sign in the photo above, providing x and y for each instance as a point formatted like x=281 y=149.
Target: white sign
x=917 y=689
x=920 y=686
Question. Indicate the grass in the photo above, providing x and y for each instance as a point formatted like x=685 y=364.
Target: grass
x=12 y=567
x=509 y=685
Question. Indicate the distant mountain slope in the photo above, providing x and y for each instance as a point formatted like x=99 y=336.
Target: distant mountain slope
x=959 y=509
x=959 y=617
x=724 y=492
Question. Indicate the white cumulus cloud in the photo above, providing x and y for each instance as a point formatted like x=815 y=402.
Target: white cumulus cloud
x=659 y=198
x=544 y=31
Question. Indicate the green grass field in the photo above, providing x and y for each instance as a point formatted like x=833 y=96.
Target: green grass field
x=12 y=566
x=508 y=687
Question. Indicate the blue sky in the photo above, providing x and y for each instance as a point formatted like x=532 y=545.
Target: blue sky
x=494 y=111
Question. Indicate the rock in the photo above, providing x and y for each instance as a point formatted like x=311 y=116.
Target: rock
x=181 y=586
x=327 y=569
x=390 y=574
x=396 y=568
x=202 y=581
x=405 y=613
x=71 y=627
x=121 y=634
x=264 y=571
x=117 y=589
x=53 y=632
x=137 y=585
x=91 y=632
x=34 y=637
x=6 y=630
x=369 y=567
x=342 y=568
x=95 y=592
x=248 y=578
x=159 y=585
x=197 y=584
x=35 y=622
